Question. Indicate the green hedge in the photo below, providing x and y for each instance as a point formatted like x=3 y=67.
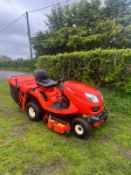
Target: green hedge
x=97 y=67
x=19 y=65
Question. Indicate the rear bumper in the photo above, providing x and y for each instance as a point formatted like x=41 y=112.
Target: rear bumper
x=95 y=121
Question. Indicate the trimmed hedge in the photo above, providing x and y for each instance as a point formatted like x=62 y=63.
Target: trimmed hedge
x=97 y=67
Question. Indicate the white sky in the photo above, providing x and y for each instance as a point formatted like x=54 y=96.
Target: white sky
x=14 y=41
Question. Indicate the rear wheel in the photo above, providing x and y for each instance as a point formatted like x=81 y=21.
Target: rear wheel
x=81 y=127
x=34 y=111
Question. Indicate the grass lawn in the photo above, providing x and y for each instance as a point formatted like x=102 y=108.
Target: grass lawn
x=29 y=148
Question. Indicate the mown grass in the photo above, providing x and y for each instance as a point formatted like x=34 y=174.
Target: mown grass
x=29 y=148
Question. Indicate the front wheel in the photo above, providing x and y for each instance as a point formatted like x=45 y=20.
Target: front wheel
x=81 y=127
x=34 y=111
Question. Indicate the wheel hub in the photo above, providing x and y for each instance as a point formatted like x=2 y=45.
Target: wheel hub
x=31 y=112
x=79 y=130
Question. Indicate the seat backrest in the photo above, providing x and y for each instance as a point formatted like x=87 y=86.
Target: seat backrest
x=40 y=75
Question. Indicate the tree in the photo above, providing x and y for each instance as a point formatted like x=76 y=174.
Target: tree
x=85 y=25
x=56 y=19
x=83 y=13
x=37 y=42
x=4 y=58
x=117 y=8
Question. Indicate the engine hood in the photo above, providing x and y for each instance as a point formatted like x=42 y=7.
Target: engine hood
x=79 y=89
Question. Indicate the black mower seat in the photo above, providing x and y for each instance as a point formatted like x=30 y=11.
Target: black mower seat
x=42 y=79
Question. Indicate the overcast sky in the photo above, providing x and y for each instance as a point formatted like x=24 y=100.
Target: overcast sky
x=14 y=41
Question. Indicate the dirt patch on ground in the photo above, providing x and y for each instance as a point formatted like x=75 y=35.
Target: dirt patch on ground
x=19 y=130
x=50 y=167
x=126 y=153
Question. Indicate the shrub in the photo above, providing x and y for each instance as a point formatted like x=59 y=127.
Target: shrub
x=19 y=65
x=98 y=67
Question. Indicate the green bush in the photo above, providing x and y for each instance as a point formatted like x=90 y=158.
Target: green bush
x=97 y=67
x=19 y=65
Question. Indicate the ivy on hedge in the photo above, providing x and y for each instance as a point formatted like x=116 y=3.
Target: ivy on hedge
x=98 y=67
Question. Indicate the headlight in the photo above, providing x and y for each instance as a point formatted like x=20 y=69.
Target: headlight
x=92 y=98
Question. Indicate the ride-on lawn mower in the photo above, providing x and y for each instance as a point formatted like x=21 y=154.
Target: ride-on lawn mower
x=67 y=107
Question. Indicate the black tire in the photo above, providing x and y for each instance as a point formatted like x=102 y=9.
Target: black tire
x=81 y=127
x=34 y=111
x=106 y=114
